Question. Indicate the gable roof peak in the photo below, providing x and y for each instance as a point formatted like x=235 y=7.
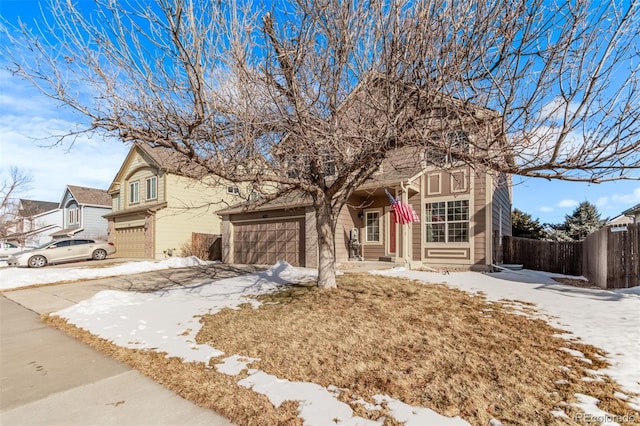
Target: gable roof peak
x=90 y=196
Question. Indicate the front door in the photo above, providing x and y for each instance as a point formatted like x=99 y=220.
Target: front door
x=392 y=232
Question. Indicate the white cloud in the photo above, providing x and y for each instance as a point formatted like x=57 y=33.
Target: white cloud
x=567 y=203
x=29 y=123
x=631 y=198
x=545 y=209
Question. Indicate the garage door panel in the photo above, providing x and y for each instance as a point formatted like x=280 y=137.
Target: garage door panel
x=268 y=242
x=129 y=242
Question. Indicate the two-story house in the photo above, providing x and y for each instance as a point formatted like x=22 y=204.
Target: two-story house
x=460 y=212
x=159 y=200
x=461 y=208
x=82 y=211
x=35 y=222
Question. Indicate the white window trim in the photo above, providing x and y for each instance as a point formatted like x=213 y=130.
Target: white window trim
x=73 y=216
x=137 y=192
x=380 y=240
x=154 y=188
x=234 y=190
x=446 y=200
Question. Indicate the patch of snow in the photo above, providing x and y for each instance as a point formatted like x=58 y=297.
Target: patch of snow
x=417 y=416
x=233 y=365
x=577 y=354
x=317 y=406
x=559 y=413
x=592 y=413
x=23 y=277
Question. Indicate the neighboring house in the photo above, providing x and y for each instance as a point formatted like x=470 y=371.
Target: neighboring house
x=158 y=201
x=82 y=213
x=460 y=211
x=633 y=213
x=36 y=220
x=620 y=220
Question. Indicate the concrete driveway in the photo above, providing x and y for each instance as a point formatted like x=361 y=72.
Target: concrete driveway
x=49 y=378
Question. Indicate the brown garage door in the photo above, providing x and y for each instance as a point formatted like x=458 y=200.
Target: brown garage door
x=265 y=243
x=130 y=242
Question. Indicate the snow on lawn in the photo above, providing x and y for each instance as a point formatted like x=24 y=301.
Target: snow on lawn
x=23 y=277
x=607 y=319
x=167 y=322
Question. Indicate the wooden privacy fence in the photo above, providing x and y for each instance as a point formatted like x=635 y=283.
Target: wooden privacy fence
x=610 y=257
x=550 y=256
x=206 y=246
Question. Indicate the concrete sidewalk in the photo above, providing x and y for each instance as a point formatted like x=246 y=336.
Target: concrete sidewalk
x=49 y=378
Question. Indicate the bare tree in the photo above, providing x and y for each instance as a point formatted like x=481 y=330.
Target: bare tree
x=12 y=185
x=311 y=95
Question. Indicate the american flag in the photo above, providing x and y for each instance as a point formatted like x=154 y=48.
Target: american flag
x=404 y=212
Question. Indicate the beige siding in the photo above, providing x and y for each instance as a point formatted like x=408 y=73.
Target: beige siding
x=191 y=207
x=375 y=250
x=502 y=201
x=416 y=235
x=480 y=218
x=440 y=185
x=408 y=157
x=347 y=220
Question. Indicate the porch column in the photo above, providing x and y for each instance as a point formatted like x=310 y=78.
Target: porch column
x=406 y=230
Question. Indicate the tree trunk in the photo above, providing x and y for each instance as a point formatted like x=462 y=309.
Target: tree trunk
x=326 y=228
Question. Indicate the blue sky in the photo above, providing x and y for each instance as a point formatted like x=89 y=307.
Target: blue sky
x=27 y=119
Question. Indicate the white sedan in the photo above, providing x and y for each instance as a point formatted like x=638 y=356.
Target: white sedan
x=58 y=251
x=7 y=249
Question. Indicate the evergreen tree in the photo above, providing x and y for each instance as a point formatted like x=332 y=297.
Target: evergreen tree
x=584 y=220
x=522 y=225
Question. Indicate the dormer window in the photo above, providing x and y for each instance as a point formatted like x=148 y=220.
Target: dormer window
x=152 y=185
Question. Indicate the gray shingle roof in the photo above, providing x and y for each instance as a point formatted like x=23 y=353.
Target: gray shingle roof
x=35 y=207
x=90 y=196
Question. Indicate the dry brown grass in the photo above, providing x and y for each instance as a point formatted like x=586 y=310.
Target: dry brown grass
x=576 y=282
x=427 y=345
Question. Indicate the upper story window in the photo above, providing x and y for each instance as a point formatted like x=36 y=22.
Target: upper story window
x=457 y=143
x=300 y=164
x=447 y=222
x=372 y=226
x=233 y=190
x=152 y=188
x=329 y=165
x=73 y=216
x=134 y=192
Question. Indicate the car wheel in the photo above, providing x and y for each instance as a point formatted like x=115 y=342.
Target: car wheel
x=99 y=254
x=37 y=261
